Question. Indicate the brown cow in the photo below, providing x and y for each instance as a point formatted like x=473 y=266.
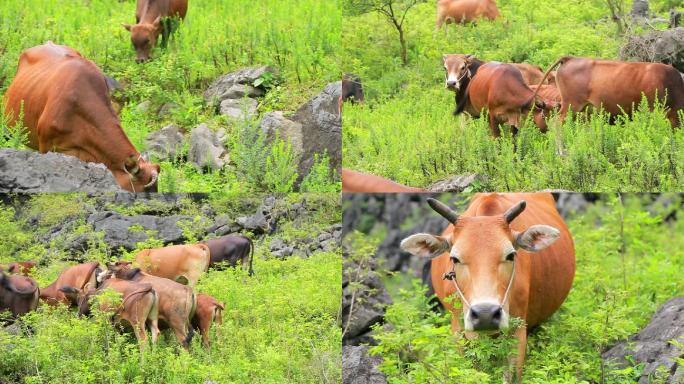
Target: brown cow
x=499 y=266
x=231 y=250
x=22 y=267
x=496 y=86
x=154 y=17
x=81 y=276
x=139 y=305
x=617 y=86
x=181 y=263
x=549 y=93
x=18 y=294
x=532 y=74
x=67 y=109
x=177 y=302
x=208 y=312
x=357 y=182
x=464 y=12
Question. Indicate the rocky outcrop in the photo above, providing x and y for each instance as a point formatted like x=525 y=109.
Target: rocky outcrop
x=360 y=368
x=166 y=143
x=321 y=128
x=652 y=346
x=326 y=241
x=457 y=183
x=30 y=171
x=233 y=94
x=206 y=149
x=275 y=124
x=665 y=47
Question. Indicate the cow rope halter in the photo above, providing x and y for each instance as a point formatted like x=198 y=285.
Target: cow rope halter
x=452 y=217
x=131 y=177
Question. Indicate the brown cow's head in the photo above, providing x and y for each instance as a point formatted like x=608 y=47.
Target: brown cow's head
x=139 y=175
x=483 y=251
x=113 y=269
x=144 y=38
x=456 y=68
x=81 y=297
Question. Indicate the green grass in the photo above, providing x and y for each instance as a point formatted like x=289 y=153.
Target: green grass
x=280 y=326
x=406 y=130
x=301 y=38
x=614 y=295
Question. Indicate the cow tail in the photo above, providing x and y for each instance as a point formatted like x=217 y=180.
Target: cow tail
x=191 y=313
x=558 y=62
x=251 y=256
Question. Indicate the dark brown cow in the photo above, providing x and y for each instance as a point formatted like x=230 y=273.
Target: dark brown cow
x=177 y=302
x=208 y=312
x=67 y=109
x=154 y=17
x=18 y=294
x=357 y=182
x=496 y=86
x=22 y=267
x=231 y=250
x=81 y=276
x=464 y=12
x=139 y=305
x=508 y=255
x=617 y=86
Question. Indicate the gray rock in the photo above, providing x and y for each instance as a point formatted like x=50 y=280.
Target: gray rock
x=239 y=109
x=167 y=108
x=165 y=143
x=118 y=233
x=639 y=8
x=257 y=223
x=665 y=47
x=360 y=368
x=571 y=203
x=276 y=244
x=321 y=128
x=236 y=85
x=274 y=124
x=143 y=107
x=651 y=346
x=205 y=149
x=457 y=183
x=30 y=171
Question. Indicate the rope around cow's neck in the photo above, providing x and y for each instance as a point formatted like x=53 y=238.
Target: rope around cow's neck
x=452 y=276
x=130 y=176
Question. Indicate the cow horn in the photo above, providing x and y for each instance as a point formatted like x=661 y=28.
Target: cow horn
x=514 y=211
x=154 y=179
x=443 y=210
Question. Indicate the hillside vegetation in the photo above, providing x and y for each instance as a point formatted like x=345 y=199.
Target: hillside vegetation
x=279 y=326
x=628 y=263
x=300 y=38
x=406 y=131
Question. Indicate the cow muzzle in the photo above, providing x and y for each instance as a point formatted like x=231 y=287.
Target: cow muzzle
x=486 y=317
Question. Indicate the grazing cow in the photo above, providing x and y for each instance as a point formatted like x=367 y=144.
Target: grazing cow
x=507 y=255
x=22 y=267
x=154 y=17
x=496 y=86
x=66 y=108
x=352 y=89
x=208 y=312
x=531 y=74
x=18 y=294
x=549 y=94
x=139 y=306
x=81 y=276
x=617 y=86
x=231 y=250
x=464 y=12
x=177 y=302
x=181 y=263
x=357 y=182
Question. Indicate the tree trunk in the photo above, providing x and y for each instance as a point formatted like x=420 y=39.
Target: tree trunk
x=402 y=41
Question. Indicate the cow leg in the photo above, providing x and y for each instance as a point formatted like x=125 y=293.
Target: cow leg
x=521 y=335
x=673 y=117
x=166 y=31
x=181 y=330
x=494 y=126
x=205 y=326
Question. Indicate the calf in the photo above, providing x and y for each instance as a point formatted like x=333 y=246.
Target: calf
x=617 y=86
x=208 y=312
x=549 y=94
x=18 y=294
x=181 y=263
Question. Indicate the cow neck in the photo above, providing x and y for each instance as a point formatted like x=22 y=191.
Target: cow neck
x=463 y=96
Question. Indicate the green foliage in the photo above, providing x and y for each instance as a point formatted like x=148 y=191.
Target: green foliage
x=320 y=177
x=16 y=135
x=281 y=167
x=249 y=152
x=406 y=130
x=628 y=264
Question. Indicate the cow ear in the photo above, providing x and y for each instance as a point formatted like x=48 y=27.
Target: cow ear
x=69 y=290
x=131 y=165
x=127 y=27
x=536 y=238
x=425 y=245
x=157 y=22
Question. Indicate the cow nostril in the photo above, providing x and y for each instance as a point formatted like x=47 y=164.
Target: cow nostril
x=474 y=314
x=497 y=314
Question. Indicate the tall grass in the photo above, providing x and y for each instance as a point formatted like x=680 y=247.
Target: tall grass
x=407 y=132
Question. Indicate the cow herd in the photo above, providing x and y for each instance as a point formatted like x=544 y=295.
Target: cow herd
x=63 y=99
x=157 y=289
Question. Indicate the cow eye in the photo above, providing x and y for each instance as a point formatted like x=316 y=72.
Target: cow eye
x=454 y=258
x=511 y=256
